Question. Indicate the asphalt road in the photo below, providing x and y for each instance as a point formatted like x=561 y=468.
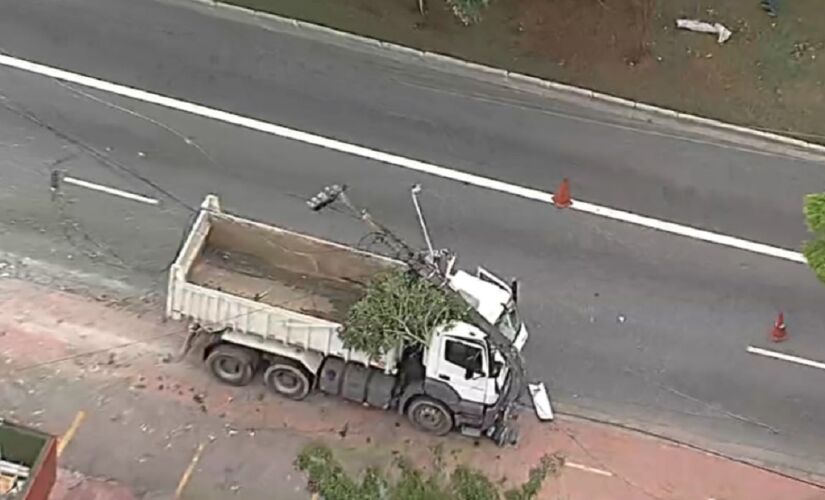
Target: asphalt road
x=645 y=327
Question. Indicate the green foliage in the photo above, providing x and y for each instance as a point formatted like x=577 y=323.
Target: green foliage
x=468 y=11
x=815 y=254
x=470 y=484
x=414 y=484
x=399 y=307
x=326 y=477
x=814 y=250
x=815 y=213
x=549 y=465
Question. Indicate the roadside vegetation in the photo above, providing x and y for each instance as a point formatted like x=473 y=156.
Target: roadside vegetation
x=770 y=74
x=403 y=480
x=815 y=248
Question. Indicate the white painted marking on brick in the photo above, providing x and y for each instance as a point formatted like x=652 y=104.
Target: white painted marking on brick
x=396 y=160
x=574 y=465
x=786 y=357
x=109 y=190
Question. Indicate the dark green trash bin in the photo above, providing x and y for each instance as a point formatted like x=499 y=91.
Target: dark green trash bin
x=28 y=462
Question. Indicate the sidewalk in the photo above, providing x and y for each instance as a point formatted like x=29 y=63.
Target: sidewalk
x=145 y=418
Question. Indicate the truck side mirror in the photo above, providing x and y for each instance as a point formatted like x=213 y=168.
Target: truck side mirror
x=469 y=374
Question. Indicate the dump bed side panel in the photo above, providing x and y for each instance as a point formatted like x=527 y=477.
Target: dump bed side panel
x=217 y=309
x=187 y=254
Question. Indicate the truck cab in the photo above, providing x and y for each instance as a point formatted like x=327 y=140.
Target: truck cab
x=462 y=368
x=461 y=353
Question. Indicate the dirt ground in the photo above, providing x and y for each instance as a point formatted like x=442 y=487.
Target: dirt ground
x=144 y=417
x=769 y=75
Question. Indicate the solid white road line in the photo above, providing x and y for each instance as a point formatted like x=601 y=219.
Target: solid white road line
x=109 y=190
x=399 y=161
x=786 y=357
x=574 y=465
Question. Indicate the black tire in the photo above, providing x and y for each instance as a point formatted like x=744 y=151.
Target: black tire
x=288 y=380
x=356 y=378
x=232 y=365
x=331 y=376
x=428 y=415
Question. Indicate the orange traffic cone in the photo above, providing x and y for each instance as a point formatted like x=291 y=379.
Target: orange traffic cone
x=779 y=333
x=562 y=197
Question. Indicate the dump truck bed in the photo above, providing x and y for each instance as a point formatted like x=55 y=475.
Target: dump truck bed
x=282 y=268
x=263 y=280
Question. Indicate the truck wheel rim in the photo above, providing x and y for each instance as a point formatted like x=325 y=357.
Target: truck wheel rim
x=429 y=417
x=287 y=382
x=229 y=368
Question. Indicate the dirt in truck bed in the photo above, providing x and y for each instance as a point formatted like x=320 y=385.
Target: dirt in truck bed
x=283 y=269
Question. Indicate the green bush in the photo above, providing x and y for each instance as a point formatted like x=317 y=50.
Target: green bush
x=399 y=307
x=468 y=11
x=326 y=477
x=815 y=213
x=814 y=249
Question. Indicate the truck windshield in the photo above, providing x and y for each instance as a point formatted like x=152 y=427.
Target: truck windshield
x=509 y=323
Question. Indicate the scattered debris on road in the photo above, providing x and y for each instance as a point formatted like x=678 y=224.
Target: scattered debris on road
x=718 y=29
x=769 y=6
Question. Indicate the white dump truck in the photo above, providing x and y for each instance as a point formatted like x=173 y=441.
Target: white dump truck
x=266 y=299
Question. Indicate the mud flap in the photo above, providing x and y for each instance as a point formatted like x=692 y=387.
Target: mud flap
x=541 y=401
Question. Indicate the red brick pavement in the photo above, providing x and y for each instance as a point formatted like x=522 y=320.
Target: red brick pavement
x=45 y=329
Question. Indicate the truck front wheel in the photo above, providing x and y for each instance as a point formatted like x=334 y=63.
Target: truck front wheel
x=429 y=415
x=288 y=380
x=233 y=365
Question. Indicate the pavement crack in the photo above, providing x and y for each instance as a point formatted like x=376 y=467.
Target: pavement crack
x=103 y=158
x=717 y=407
x=64 y=159
x=490 y=99
x=69 y=225
x=710 y=406
x=86 y=244
x=186 y=139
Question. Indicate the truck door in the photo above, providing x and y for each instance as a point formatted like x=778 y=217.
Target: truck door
x=463 y=365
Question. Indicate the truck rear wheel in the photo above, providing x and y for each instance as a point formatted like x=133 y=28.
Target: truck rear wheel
x=231 y=364
x=288 y=380
x=429 y=415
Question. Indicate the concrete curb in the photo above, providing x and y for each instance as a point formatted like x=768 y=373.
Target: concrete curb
x=508 y=76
